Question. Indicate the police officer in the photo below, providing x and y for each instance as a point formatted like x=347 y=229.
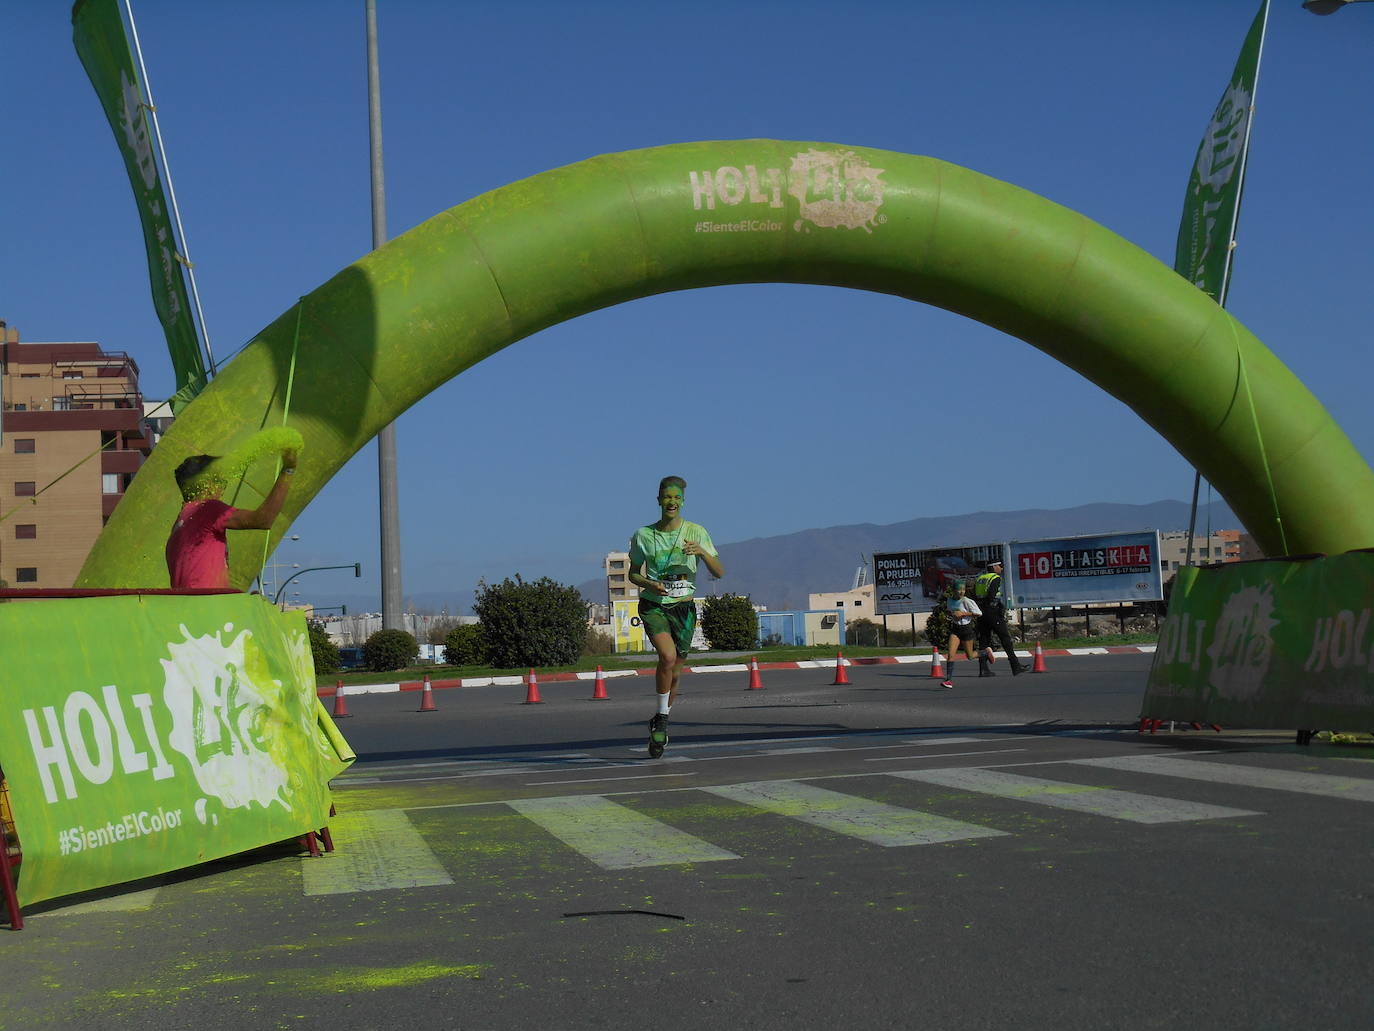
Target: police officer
x=987 y=592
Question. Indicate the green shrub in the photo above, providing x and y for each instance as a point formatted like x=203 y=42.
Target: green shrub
x=599 y=642
x=390 y=649
x=529 y=625
x=939 y=624
x=730 y=622
x=466 y=645
x=324 y=651
x=861 y=631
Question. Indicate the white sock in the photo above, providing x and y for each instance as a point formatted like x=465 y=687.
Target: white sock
x=663 y=707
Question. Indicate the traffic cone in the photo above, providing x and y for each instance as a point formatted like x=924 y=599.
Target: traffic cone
x=937 y=668
x=427 y=697
x=1039 y=666
x=340 y=705
x=532 y=690
x=755 y=681
x=841 y=674
x=599 y=691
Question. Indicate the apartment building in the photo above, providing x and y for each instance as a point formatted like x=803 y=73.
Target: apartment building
x=72 y=436
x=1221 y=546
x=618 y=586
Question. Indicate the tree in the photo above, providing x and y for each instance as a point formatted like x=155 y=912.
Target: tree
x=322 y=649
x=440 y=629
x=390 y=649
x=730 y=622
x=526 y=625
x=466 y=645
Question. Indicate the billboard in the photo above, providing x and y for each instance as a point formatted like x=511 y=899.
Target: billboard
x=1107 y=567
x=912 y=581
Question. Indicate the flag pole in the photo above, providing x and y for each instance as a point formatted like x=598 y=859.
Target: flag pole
x=1225 y=287
x=184 y=259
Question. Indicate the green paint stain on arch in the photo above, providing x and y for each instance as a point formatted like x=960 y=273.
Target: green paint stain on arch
x=401 y=321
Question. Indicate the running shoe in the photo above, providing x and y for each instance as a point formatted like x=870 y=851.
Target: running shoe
x=658 y=735
x=947 y=683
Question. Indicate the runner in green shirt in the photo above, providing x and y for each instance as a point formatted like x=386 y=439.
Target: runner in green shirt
x=663 y=565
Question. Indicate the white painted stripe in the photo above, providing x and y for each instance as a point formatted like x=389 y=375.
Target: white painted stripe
x=875 y=822
x=602 y=780
x=614 y=837
x=945 y=740
x=939 y=755
x=1082 y=798
x=1356 y=789
x=374 y=850
x=130 y=902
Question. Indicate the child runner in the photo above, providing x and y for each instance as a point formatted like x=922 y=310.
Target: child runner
x=962 y=612
x=663 y=565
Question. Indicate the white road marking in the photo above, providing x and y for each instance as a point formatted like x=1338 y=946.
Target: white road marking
x=373 y=851
x=1116 y=805
x=1352 y=788
x=875 y=822
x=602 y=780
x=940 y=755
x=613 y=836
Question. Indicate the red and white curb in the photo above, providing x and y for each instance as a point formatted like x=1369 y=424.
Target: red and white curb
x=733 y=667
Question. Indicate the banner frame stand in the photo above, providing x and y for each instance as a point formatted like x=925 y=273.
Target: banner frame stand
x=7 y=868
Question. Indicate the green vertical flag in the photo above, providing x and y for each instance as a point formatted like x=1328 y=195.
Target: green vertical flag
x=1212 y=204
x=98 y=32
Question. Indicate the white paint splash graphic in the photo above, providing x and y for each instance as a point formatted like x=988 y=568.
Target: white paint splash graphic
x=219 y=714
x=836 y=190
x=1243 y=644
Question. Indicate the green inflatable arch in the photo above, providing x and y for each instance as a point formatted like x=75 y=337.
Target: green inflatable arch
x=395 y=325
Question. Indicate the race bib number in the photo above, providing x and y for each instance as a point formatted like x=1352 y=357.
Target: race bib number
x=677 y=588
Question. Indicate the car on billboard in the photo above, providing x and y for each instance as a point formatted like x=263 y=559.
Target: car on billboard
x=944 y=570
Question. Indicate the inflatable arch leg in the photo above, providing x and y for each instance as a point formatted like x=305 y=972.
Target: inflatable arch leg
x=396 y=324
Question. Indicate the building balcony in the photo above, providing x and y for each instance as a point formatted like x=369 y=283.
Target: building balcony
x=120 y=461
x=108 y=503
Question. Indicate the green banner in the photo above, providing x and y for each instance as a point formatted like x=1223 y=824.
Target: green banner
x=1272 y=644
x=143 y=734
x=1214 y=187
x=98 y=32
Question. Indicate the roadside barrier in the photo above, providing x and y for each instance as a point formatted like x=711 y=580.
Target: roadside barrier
x=841 y=674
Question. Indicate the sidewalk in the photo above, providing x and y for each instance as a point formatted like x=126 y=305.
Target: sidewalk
x=731 y=667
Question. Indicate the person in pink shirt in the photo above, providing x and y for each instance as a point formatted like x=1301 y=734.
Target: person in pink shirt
x=197 y=549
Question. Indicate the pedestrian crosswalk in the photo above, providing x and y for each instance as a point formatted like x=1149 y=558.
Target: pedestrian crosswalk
x=614 y=835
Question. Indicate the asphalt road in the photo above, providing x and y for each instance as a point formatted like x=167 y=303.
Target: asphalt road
x=890 y=854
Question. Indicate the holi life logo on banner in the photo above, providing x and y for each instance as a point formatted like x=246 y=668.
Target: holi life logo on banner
x=1237 y=648
x=219 y=696
x=833 y=189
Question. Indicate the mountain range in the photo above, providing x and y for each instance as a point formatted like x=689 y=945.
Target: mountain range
x=781 y=572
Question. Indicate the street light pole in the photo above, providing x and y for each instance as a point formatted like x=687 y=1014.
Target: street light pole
x=390 y=504
x=357 y=568
x=1328 y=6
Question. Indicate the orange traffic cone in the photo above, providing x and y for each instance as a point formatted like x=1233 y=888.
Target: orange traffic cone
x=755 y=681
x=532 y=690
x=841 y=674
x=1039 y=666
x=599 y=691
x=427 y=697
x=937 y=668
x=340 y=705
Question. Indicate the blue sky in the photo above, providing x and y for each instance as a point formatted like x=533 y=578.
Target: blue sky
x=533 y=461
